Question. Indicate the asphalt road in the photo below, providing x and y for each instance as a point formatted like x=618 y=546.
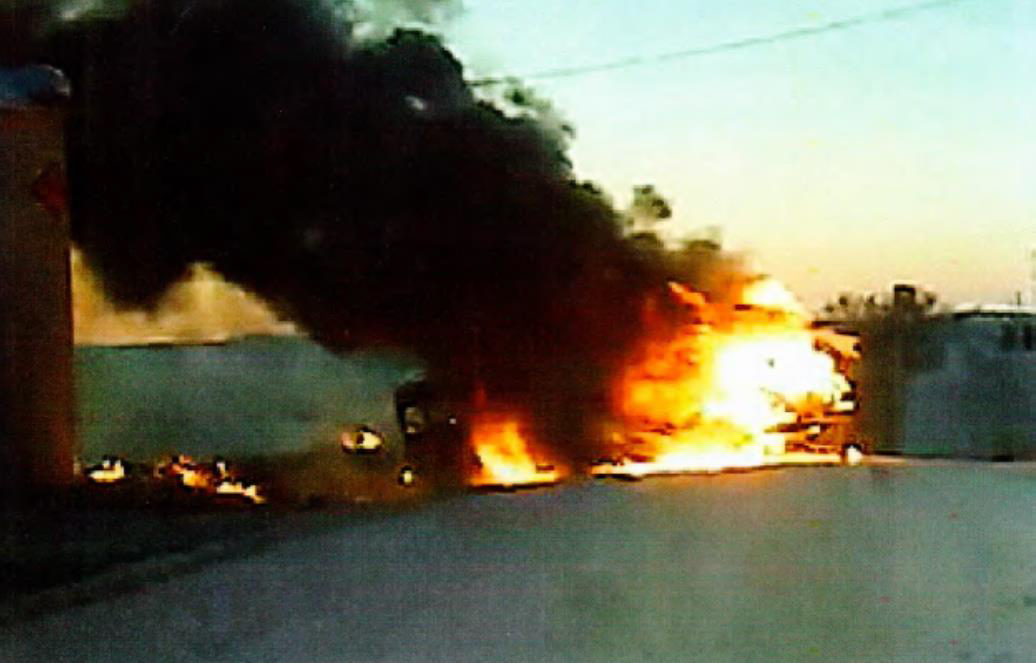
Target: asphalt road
x=912 y=562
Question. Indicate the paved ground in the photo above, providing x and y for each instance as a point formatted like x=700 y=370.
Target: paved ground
x=918 y=562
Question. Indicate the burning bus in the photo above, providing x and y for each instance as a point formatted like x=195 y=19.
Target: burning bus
x=736 y=383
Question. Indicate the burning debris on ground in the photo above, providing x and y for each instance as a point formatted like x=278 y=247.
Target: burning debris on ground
x=110 y=470
x=215 y=479
x=362 y=441
x=503 y=457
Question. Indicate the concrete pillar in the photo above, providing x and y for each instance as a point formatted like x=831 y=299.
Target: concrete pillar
x=36 y=383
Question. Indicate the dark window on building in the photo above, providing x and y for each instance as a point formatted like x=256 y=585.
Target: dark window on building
x=1008 y=338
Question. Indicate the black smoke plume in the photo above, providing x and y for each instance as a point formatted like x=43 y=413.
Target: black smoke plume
x=358 y=185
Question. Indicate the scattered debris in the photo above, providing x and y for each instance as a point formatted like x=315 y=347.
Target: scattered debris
x=407 y=476
x=362 y=441
x=214 y=478
x=111 y=470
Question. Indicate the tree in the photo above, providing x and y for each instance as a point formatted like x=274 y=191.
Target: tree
x=647 y=209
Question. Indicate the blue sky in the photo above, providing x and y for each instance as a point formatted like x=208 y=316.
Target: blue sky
x=847 y=160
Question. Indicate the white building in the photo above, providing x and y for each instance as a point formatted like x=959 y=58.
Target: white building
x=960 y=384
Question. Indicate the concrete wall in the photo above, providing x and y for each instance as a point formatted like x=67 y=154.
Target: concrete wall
x=959 y=386
x=36 y=414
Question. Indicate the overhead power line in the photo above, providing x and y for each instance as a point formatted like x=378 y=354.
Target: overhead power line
x=890 y=14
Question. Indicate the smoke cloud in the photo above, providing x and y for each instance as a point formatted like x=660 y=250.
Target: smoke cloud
x=360 y=186
x=202 y=308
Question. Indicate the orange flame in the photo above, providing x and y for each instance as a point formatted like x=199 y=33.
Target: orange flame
x=212 y=479
x=111 y=470
x=504 y=456
x=712 y=396
x=771 y=294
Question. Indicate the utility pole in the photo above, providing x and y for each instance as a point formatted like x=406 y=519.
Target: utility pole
x=1032 y=275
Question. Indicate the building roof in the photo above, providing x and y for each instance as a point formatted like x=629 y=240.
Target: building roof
x=993 y=311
